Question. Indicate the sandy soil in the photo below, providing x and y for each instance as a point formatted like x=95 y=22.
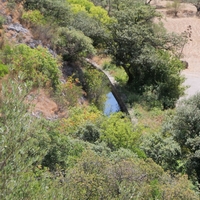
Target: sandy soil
x=191 y=50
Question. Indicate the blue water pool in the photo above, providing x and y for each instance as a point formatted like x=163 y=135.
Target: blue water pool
x=111 y=105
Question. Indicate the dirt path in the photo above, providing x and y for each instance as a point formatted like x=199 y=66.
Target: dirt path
x=191 y=50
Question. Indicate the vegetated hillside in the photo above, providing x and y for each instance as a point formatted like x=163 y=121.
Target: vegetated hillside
x=55 y=141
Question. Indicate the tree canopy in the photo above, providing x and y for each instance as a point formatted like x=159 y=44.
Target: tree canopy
x=146 y=52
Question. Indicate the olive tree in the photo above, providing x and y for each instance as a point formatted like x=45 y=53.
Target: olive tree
x=146 y=52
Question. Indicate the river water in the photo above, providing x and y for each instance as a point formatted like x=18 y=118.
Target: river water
x=111 y=105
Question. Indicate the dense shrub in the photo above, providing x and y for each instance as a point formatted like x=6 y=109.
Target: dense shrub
x=96 y=86
x=68 y=93
x=90 y=27
x=23 y=141
x=2 y=20
x=118 y=132
x=63 y=150
x=97 y=177
x=73 y=44
x=88 y=132
x=58 y=11
x=78 y=117
x=184 y=127
x=33 y=17
x=3 y=70
x=93 y=11
x=37 y=65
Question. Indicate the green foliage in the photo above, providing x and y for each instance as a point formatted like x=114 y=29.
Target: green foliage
x=36 y=65
x=62 y=152
x=117 y=132
x=95 y=12
x=34 y=17
x=95 y=177
x=184 y=128
x=96 y=86
x=139 y=46
x=90 y=27
x=84 y=3
x=2 y=20
x=23 y=141
x=88 y=132
x=117 y=72
x=78 y=117
x=176 y=148
x=163 y=79
x=100 y=14
x=73 y=44
x=57 y=11
x=3 y=70
x=163 y=150
x=28 y=144
x=91 y=20
x=68 y=93
x=11 y=4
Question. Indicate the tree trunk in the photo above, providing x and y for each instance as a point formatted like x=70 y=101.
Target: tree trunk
x=130 y=76
x=109 y=7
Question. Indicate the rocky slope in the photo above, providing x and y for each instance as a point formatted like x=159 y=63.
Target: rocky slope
x=14 y=31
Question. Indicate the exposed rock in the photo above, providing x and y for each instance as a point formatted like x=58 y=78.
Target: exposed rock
x=52 y=52
x=8 y=20
x=18 y=28
x=34 y=43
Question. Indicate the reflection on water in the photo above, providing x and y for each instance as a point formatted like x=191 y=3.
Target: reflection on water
x=111 y=105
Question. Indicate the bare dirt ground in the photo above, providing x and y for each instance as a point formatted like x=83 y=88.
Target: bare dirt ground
x=186 y=17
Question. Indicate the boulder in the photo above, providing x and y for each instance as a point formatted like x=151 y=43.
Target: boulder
x=18 y=28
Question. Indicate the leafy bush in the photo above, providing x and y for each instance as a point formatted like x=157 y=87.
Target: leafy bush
x=58 y=11
x=184 y=128
x=118 y=132
x=37 y=65
x=96 y=12
x=88 y=132
x=73 y=44
x=63 y=150
x=90 y=27
x=3 y=70
x=68 y=93
x=176 y=147
x=98 y=177
x=2 y=20
x=159 y=80
x=96 y=86
x=78 y=117
x=33 y=17
x=23 y=141
x=163 y=150
x=118 y=73
x=11 y=4
x=84 y=3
